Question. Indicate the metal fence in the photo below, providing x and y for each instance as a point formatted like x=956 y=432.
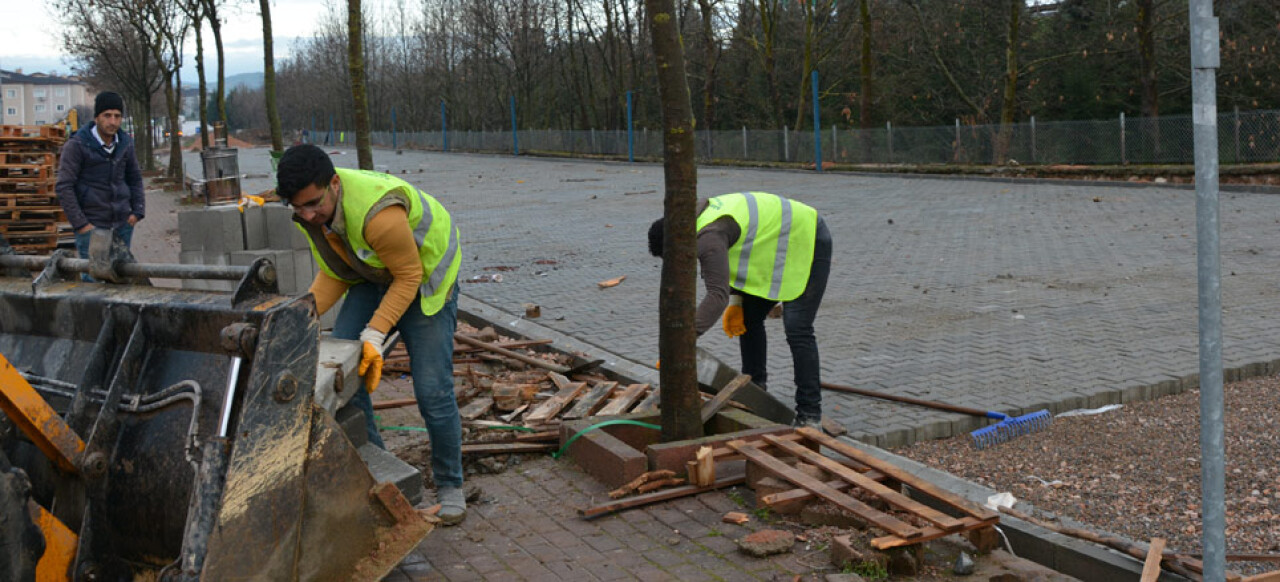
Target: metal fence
x=1243 y=137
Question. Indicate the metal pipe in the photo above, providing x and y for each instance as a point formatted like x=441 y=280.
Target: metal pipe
x=157 y=270
x=232 y=379
x=1204 y=64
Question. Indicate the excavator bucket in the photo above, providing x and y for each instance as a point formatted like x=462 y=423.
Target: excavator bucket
x=154 y=433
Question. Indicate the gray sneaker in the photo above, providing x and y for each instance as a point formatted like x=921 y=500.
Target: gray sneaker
x=453 y=505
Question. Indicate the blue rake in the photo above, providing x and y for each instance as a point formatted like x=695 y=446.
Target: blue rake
x=1008 y=428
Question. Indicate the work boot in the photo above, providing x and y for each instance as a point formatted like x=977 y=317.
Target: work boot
x=453 y=505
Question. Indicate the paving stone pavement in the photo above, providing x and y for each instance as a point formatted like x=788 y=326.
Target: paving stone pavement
x=526 y=527
x=994 y=295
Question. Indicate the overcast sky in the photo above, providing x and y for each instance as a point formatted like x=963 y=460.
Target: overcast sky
x=31 y=39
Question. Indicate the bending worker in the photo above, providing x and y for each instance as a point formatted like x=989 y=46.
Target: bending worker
x=394 y=251
x=755 y=250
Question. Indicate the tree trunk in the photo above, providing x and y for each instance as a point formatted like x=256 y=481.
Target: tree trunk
x=1147 y=80
x=212 y=7
x=866 y=80
x=711 y=56
x=175 y=143
x=681 y=414
x=355 y=62
x=1009 y=106
x=204 y=104
x=269 y=78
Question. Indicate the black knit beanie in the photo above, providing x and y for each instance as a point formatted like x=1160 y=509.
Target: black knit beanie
x=107 y=100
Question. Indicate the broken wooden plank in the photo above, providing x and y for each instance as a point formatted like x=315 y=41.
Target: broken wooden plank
x=659 y=484
x=559 y=380
x=641 y=480
x=589 y=401
x=476 y=408
x=397 y=403
x=539 y=437
x=894 y=498
x=771 y=464
x=1151 y=567
x=734 y=478
x=898 y=474
x=514 y=413
x=931 y=533
x=724 y=395
x=1264 y=577
x=508 y=345
x=552 y=406
x=620 y=403
x=784 y=497
x=650 y=404
x=503 y=448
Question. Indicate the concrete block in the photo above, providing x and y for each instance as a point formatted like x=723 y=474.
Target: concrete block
x=191 y=230
x=254 y=223
x=282 y=233
x=205 y=258
x=222 y=229
x=602 y=455
x=387 y=467
x=846 y=552
x=351 y=419
x=336 y=379
x=304 y=271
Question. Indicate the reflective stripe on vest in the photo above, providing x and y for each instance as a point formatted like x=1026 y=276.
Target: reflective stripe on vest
x=772 y=256
x=439 y=251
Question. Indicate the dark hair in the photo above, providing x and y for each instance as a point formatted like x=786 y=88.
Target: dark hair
x=301 y=166
x=655 y=237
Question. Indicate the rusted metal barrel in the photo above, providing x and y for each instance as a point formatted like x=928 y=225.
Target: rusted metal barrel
x=221 y=175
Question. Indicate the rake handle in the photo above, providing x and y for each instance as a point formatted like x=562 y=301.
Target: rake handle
x=916 y=401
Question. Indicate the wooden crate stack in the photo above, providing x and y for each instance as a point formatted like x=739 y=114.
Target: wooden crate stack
x=30 y=217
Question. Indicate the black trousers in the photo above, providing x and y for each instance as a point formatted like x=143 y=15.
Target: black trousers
x=798 y=316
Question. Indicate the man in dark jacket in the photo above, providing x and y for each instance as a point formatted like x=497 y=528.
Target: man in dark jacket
x=99 y=183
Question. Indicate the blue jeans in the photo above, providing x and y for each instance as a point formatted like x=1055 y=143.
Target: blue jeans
x=429 y=341
x=124 y=233
x=798 y=316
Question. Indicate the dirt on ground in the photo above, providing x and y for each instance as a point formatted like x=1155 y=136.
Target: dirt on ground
x=1135 y=471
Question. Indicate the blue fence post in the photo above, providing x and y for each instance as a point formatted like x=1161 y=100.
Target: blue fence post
x=444 y=125
x=329 y=139
x=515 y=135
x=631 y=134
x=393 y=127
x=817 y=127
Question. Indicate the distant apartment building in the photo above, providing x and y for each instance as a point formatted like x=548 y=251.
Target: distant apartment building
x=38 y=99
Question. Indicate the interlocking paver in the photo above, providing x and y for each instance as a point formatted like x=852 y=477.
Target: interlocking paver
x=987 y=294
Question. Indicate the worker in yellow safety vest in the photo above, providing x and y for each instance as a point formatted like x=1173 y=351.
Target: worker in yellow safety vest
x=756 y=250
x=394 y=252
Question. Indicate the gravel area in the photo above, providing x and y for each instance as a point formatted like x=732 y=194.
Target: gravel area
x=1135 y=471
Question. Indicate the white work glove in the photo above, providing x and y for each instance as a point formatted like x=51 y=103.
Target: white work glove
x=371 y=357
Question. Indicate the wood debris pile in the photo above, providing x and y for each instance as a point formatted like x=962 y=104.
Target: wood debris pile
x=31 y=219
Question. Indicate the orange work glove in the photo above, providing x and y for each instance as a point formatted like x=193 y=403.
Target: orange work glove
x=733 y=326
x=658 y=364
x=371 y=357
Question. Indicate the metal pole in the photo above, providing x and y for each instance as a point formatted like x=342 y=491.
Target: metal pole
x=329 y=138
x=1236 y=131
x=444 y=125
x=817 y=126
x=1124 y=154
x=744 y=142
x=786 y=144
x=888 y=127
x=955 y=148
x=1204 y=108
x=312 y=136
x=631 y=134
x=835 y=141
x=393 y=127
x=515 y=135
x=1033 y=139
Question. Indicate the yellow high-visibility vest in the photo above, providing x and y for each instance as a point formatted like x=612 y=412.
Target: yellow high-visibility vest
x=772 y=257
x=364 y=194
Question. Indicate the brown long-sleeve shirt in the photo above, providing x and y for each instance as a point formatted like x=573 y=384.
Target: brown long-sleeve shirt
x=714 y=241
x=392 y=241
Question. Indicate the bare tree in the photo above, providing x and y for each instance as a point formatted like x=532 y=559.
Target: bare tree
x=269 y=77
x=359 y=96
x=195 y=11
x=215 y=23
x=114 y=55
x=681 y=418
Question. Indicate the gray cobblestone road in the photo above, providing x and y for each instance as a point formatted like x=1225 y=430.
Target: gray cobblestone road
x=1012 y=297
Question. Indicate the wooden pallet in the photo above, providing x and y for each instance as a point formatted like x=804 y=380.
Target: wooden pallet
x=26 y=201
x=31 y=213
x=27 y=186
x=910 y=522
x=27 y=172
x=15 y=230
x=37 y=131
x=29 y=157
